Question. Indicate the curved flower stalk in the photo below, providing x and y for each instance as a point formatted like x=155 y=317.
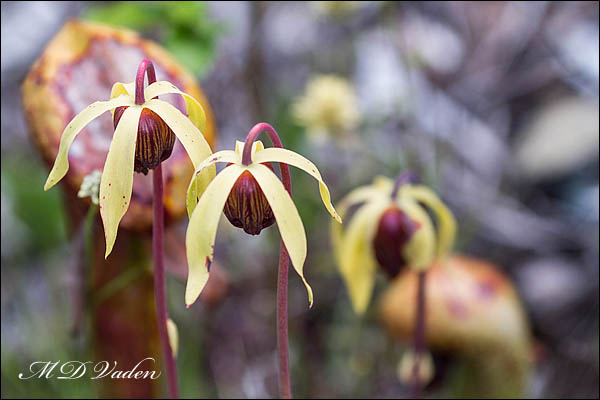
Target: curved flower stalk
x=117 y=177
x=144 y=137
x=252 y=197
x=391 y=228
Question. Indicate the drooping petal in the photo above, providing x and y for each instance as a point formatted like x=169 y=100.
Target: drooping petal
x=383 y=184
x=380 y=189
x=192 y=139
x=194 y=109
x=202 y=229
x=357 y=261
x=119 y=89
x=369 y=193
x=194 y=143
x=420 y=251
x=61 y=164
x=336 y=231
x=274 y=154
x=195 y=188
x=117 y=177
x=446 y=226
x=256 y=146
x=287 y=217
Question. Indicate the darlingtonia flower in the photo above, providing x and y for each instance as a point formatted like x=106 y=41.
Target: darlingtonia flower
x=253 y=198
x=144 y=136
x=390 y=227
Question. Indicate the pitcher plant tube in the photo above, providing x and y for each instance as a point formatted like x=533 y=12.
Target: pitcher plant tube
x=144 y=136
x=252 y=198
x=391 y=227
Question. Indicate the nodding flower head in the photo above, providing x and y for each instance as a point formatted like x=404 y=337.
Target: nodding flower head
x=390 y=227
x=144 y=135
x=252 y=197
x=79 y=66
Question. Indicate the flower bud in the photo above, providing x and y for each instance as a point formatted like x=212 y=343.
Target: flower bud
x=154 y=142
x=247 y=207
x=394 y=230
x=415 y=368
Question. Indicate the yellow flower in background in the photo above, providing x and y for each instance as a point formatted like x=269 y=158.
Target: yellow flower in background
x=250 y=195
x=337 y=8
x=144 y=136
x=329 y=106
x=390 y=226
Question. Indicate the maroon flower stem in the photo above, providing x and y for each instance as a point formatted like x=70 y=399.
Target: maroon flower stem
x=285 y=391
x=419 y=333
x=160 y=287
x=146 y=67
x=404 y=178
x=159 y=281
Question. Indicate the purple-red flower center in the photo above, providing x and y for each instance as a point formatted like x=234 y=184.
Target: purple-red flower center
x=394 y=230
x=247 y=207
x=154 y=142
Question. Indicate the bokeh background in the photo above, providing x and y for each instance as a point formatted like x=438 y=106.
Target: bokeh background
x=495 y=105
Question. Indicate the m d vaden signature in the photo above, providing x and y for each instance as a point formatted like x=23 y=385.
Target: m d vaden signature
x=91 y=369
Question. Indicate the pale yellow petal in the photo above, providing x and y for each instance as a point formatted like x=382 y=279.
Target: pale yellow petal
x=256 y=146
x=336 y=231
x=446 y=226
x=363 y=194
x=195 y=189
x=420 y=251
x=117 y=177
x=202 y=229
x=287 y=217
x=357 y=262
x=119 y=89
x=239 y=146
x=194 y=109
x=383 y=183
x=61 y=164
x=191 y=138
x=173 y=336
x=274 y=154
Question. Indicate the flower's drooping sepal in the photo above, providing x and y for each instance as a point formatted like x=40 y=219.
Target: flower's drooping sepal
x=154 y=142
x=394 y=230
x=247 y=207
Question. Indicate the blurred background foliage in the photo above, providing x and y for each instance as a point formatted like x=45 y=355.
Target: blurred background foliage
x=494 y=104
x=183 y=27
